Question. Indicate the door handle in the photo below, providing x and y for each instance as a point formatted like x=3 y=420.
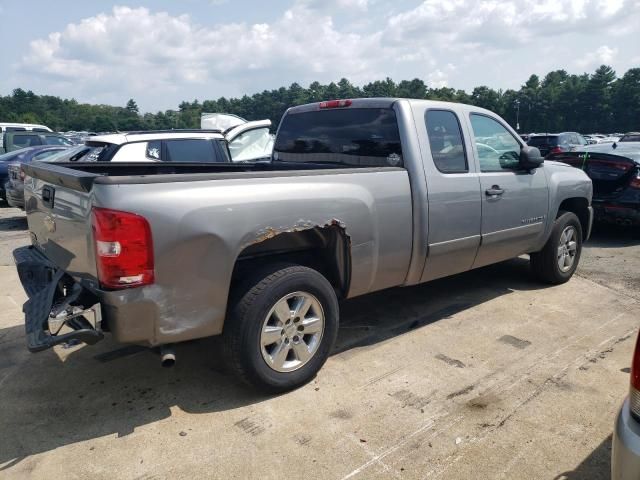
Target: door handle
x=494 y=191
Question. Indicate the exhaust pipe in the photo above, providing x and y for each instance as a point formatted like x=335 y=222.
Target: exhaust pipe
x=167 y=356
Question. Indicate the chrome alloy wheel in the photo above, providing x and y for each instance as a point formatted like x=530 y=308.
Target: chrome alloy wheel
x=567 y=248
x=292 y=331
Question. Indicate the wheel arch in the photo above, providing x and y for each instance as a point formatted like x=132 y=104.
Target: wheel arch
x=580 y=207
x=325 y=248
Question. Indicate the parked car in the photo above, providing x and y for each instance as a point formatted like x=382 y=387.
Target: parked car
x=630 y=137
x=18 y=127
x=625 y=450
x=361 y=195
x=557 y=142
x=17 y=140
x=14 y=181
x=245 y=142
x=201 y=146
x=615 y=172
x=23 y=155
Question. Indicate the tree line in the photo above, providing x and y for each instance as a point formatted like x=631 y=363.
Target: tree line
x=596 y=102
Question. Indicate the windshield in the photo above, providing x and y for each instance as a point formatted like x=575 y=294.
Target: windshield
x=348 y=136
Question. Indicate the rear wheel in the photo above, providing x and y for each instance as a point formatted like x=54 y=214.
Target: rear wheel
x=282 y=328
x=557 y=261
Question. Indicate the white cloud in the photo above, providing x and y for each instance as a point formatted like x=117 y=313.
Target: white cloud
x=158 y=58
x=602 y=55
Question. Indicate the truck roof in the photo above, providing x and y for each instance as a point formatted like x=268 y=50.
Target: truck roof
x=127 y=137
x=384 y=102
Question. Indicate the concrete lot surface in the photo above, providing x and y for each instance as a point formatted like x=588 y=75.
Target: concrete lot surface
x=484 y=375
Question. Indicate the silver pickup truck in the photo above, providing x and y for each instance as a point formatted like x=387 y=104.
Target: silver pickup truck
x=360 y=195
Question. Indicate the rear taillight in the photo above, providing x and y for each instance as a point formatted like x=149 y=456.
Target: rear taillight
x=124 y=249
x=634 y=391
x=556 y=150
x=335 y=104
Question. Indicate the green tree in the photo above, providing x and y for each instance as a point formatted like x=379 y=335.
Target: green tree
x=132 y=106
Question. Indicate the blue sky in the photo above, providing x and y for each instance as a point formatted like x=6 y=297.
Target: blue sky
x=162 y=52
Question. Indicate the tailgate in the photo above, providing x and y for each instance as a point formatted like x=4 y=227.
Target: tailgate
x=609 y=173
x=58 y=204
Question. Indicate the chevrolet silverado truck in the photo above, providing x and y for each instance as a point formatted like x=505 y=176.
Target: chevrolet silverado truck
x=359 y=196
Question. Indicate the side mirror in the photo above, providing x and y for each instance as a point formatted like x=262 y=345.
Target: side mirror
x=530 y=158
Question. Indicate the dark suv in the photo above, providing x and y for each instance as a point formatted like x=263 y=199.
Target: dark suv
x=557 y=142
x=16 y=140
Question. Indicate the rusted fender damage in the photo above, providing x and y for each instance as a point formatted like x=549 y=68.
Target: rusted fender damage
x=269 y=232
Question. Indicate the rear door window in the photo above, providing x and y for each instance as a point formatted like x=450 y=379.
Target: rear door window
x=364 y=137
x=445 y=141
x=190 y=150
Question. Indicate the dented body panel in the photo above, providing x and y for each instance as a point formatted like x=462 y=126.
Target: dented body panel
x=201 y=228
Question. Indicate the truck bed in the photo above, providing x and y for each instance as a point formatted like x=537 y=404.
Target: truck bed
x=82 y=175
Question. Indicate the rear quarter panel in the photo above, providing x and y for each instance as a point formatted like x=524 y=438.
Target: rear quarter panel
x=200 y=227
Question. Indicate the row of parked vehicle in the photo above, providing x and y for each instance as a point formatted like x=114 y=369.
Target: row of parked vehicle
x=612 y=162
x=224 y=138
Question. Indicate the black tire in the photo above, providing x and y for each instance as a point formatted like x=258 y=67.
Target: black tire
x=545 y=262
x=243 y=327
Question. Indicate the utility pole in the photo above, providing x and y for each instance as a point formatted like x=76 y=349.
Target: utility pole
x=517 y=102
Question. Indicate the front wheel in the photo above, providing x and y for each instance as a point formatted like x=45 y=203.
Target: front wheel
x=557 y=261
x=282 y=328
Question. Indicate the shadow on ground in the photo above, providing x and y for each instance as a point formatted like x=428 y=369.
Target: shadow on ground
x=597 y=466
x=110 y=389
x=613 y=236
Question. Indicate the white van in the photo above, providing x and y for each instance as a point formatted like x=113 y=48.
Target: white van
x=19 y=127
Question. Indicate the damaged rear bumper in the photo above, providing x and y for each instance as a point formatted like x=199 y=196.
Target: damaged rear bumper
x=55 y=301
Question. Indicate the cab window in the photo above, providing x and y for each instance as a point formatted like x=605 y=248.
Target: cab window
x=497 y=148
x=445 y=140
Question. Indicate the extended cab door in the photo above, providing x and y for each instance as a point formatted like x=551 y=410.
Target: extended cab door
x=453 y=193
x=514 y=202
